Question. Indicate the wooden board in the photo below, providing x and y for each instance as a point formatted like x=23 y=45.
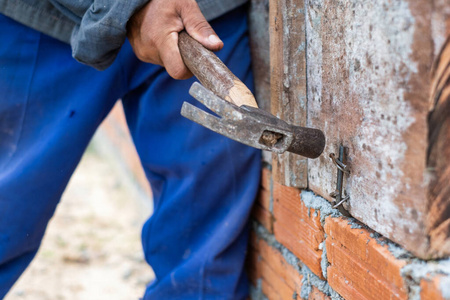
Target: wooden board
x=368 y=69
x=361 y=72
x=288 y=82
x=260 y=50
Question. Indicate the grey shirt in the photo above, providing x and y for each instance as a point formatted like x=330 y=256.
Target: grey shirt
x=95 y=29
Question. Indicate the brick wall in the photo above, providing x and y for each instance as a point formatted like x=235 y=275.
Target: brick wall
x=302 y=248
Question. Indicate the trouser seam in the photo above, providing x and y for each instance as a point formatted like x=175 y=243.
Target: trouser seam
x=27 y=97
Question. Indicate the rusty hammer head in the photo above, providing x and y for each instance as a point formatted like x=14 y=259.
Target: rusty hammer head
x=252 y=126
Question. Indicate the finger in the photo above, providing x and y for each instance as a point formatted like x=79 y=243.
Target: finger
x=171 y=58
x=197 y=26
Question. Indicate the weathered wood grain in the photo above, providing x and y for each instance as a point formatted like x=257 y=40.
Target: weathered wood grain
x=368 y=83
x=368 y=65
x=288 y=82
x=260 y=51
x=438 y=160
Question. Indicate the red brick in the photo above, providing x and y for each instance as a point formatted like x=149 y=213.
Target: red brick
x=269 y=291
x=308 y=256
x=360 y=276
x=283 y=290
x=315 y=294
x=367 y=266
x=344 y=287
x=430 y=288
x=299 y=228
x=366 y=249
x=263 y=216
x=279 y=278
x=286 y=272
x=289 y=198
x=266 y=178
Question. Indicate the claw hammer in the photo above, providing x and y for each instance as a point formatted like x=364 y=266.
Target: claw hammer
x=238 y=116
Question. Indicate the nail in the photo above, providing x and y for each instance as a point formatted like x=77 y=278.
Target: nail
x=214 y=39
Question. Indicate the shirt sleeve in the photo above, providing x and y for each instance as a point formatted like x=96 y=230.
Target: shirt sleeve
x=101 y=28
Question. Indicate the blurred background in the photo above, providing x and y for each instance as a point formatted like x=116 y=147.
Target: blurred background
x=92 y=248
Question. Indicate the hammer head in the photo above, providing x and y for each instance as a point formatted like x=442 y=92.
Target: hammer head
x=252 y=126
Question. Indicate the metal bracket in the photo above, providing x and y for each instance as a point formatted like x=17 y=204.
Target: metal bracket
x=342 y=168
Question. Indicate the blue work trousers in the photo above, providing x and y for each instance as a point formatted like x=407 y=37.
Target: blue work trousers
x=203 y=184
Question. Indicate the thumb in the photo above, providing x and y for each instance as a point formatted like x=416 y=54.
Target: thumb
x=197 y=26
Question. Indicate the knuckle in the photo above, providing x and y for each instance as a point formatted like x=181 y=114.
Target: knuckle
x=140 y=54
x=201 y=26
x=165 y=40
x=178 y=71
x=145 y=48
x=146 y=56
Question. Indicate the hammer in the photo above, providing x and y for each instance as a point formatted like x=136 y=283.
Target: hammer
x=238 y=116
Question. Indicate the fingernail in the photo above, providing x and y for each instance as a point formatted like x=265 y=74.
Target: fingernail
x=214 y=39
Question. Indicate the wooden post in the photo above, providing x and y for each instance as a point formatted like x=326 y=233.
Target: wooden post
x=288 y=82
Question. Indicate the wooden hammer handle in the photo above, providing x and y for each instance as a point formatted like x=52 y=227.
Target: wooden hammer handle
x=213 y=73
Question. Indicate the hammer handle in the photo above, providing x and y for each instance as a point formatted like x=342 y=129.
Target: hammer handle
x=213 y=73
x=215 y=76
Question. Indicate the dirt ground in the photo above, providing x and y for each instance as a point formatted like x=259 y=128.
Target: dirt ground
x=92 y=249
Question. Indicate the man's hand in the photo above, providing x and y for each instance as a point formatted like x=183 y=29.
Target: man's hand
x=153 y=33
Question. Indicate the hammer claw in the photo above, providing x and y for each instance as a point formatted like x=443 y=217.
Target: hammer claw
x=197 y=115
x=216 y=104
x=252 y=126
x=237 y=131
x=207 y=120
